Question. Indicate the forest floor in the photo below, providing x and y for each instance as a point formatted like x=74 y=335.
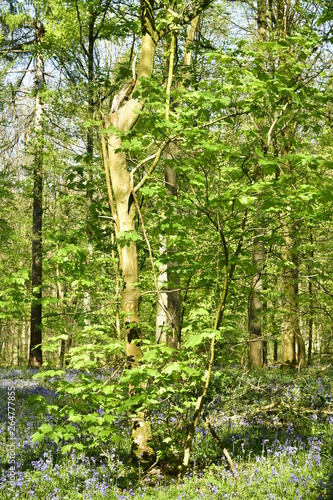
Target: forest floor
x=277 y=426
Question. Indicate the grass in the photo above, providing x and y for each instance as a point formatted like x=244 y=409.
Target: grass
x=277 y=426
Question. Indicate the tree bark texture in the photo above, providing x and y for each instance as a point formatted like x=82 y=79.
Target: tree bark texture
x=90 y=137
x=288 y=332
x=299 y=341
x=168 y=317
x=174 y=303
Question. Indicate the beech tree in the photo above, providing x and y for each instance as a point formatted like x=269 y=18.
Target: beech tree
x=217 y=175
x=123 y=117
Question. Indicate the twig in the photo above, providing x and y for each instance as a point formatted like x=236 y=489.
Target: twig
x=201 y=397
x=153 y=165
x=225 y=451
x=150 y=255
x=111 y=376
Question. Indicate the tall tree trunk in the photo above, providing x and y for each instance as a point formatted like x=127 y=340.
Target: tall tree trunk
x=90 y=137
x=89 y=156
x=174 y=303
x=168 y=316
x=310 y=324
x=255 y=304
x=35 y=357
x=299 y=341
x=125 y=220
x=264 y=328
x=163 y=334
x=275 y=358
x=19 y=340
x=162 y=300
x=169 y=305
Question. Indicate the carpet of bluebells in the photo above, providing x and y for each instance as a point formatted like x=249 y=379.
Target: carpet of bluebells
x=277 y=426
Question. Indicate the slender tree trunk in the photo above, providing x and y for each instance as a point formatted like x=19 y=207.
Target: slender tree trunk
x=18 y=344
x=60 y=301
x=162 y=300
x=168 y=317
x=275 y=350
x=89 y=157
x=174 y=303
x=4 y=350
x=24 y=348
x=264 y=329
x=300 y=345
x=310 y=324
x=293 y=342
x=255 y=304
x=255 y=309
x=90 y=137
x=35 y=357
x=2 y=343
x=311 y=308
x=12 y=345
x=169 y=305
x=174 y=299
x=287 y=325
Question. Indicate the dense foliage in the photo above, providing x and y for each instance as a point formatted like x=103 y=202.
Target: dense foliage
x=277 y=428
x=165 y=248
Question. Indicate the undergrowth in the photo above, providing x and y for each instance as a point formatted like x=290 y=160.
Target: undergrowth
x=276 y=425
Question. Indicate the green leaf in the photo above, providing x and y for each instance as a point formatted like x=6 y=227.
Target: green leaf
x=198 y=338
x=170 y=368
x=46 y=428
x=125 y=238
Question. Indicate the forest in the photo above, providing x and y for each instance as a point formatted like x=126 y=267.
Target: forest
x=166 y=242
